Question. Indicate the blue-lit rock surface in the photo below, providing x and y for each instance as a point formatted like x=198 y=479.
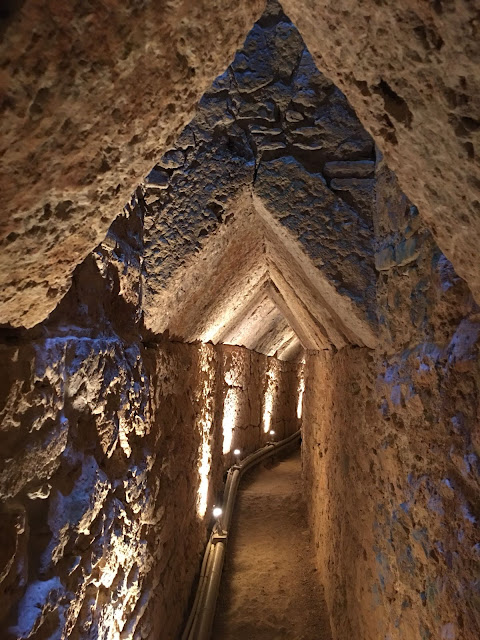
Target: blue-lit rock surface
x=113 y=450
x=269 y=223
x=257 y=163
x=392 y=447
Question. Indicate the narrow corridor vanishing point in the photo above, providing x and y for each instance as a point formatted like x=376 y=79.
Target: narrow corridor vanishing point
x=270 y=274
x=270 y=588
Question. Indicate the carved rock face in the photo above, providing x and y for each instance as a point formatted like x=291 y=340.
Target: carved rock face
x=111 y=432
x=411 y=72
x=89 y=96
x=263 y=208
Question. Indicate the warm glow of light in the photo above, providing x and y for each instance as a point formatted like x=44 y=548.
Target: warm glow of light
x=237 y=452
x=301 y=391
x=217 y=512
x=123 y=439
x=270 y=393
x=229 y=418
x=267 y=411
x=213 y=330
x=204 y=424
x=203 y=472
x=272 y=432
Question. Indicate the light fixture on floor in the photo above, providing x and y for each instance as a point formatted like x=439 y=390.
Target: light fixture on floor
x=217 y=514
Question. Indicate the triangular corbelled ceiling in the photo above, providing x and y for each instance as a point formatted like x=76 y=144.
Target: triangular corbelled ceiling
x=258 y=229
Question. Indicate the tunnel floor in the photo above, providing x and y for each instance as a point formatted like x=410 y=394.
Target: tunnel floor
x=270 y=589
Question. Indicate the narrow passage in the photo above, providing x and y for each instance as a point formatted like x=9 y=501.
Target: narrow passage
x=270 y=589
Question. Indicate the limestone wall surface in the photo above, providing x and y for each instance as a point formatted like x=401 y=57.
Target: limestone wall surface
x=114 y=446
x=392 y=448
x=410 y=71
x=115 y=438
x=91 y=93
x=274 y=150
x=112 y=456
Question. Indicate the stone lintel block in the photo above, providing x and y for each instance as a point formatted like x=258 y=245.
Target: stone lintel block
x=407 y=251
x=397 y=255
x=349 y=169
x=385 y=258
x=158 y=178
x=352 y=184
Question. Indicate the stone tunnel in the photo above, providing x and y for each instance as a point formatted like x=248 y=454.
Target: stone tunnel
x=224 y=222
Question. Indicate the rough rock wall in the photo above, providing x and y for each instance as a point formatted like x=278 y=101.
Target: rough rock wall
x=260 y=394
x=338 y=435
x=100 y=482
x=89 y=94
x=112 y=455
x=392 y=448
x=410 y=71
x=273 y=126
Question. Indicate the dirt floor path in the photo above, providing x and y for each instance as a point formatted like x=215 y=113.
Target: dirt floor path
x=270 y=589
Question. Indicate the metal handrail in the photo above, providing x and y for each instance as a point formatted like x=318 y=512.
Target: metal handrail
x=200 y=620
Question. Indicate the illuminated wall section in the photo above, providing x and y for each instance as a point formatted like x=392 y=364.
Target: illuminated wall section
x=117 y=475
x=236 y=364
x=271 y=389
x=230 y=410
x=205 y=399
x=301 y=390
